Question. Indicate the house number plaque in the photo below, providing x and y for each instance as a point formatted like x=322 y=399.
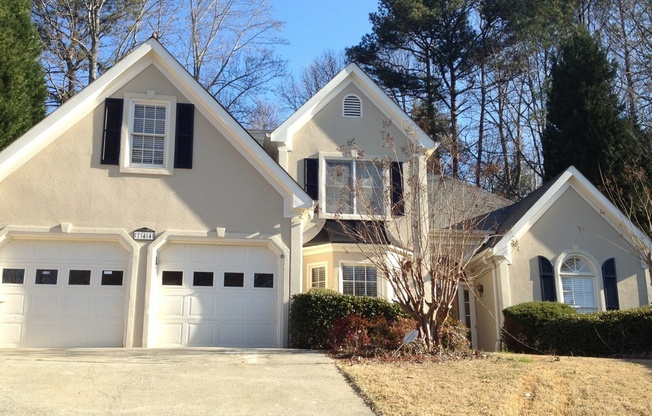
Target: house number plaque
x=144 y=234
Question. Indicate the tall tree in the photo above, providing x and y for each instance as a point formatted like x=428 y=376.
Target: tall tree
x=440 y=41
x=22 y=87
x=82 y=38
x=584 y=123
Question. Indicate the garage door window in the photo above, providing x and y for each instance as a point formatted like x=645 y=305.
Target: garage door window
x=13 y=276
x=202 y=279
x=112 y=277
x=79 y=277
x=263 y=280
x=46 y=276
x=233 y=279
x=172 y=278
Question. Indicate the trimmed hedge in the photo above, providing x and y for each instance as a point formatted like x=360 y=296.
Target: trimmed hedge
x=312 y=314
x=603 y=334
x=524 y=323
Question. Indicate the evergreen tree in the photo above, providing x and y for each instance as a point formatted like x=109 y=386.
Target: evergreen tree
x=22 y=86
x=585 y=127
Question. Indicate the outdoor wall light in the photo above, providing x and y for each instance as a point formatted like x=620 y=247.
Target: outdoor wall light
x=480 y=289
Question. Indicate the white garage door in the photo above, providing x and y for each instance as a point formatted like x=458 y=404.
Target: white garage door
x=208 y=295
x=62 y=294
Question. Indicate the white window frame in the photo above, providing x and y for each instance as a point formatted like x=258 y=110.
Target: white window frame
x=323 y=158
x=358 y=264
x=343 y=106
x=596 y=274
x=314 y=266
x=150 y=98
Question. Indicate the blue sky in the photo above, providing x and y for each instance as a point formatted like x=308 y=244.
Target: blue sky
x=312 y=26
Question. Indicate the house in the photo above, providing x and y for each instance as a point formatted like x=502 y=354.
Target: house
x=141 y=214
x=350 y=131
x=565 y=242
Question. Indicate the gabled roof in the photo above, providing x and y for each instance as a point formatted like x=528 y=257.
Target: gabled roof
x=153 y=53
x=512 y=222
x=352 y=74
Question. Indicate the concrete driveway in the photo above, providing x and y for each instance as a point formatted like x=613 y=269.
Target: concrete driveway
x=207 y=381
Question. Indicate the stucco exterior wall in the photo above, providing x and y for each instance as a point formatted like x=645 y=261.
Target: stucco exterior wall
x=570 y=226
x=89 y=194
x=485 y=312
x=328 y=130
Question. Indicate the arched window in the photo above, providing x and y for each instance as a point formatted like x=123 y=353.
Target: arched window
x=352 y=106
x=578 y=284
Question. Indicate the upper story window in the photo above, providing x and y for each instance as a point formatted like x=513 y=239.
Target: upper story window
x=578 y=284
x=354 y=187
x=352 y=106
x=148 y=133
x=330 y=180
x=149 y=142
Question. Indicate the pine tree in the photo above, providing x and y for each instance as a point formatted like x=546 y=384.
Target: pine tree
x=585 y=127
x=22 y=83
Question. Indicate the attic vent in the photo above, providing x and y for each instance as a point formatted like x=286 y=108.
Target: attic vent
x=352 y=106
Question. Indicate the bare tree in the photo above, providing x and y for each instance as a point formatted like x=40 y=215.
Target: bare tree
x=82 y=38
x=297 y=90
x=423 y=243
x=228 y=47
x=264 y=117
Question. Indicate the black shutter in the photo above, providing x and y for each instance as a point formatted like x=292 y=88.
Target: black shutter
x=396 y=179
x=547 y=274
x=184 y=136
x=112 y=131
x=311 y=177
x=610 y=285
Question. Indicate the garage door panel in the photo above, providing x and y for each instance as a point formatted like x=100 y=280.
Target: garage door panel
x=109 y=306
x=204 y=253
x=41 y=334
x=17 y=251
x=13 y=305
x=46 y=251
x=235 y=255
x=260 y=335
x=106 y=334
x=201 y=334
x=232 y=307
x=10 y=335
x=43 y=305
x=76 y=305
x=202 y=305
x=171 y=306
x=74 y=331
x=231 y=334
x=171 y=334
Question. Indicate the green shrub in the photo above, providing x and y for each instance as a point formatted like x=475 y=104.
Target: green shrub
x=524 y=322
x=603 y=334
x=312 y=314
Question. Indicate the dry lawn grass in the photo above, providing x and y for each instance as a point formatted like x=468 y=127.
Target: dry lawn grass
x=507 y=384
